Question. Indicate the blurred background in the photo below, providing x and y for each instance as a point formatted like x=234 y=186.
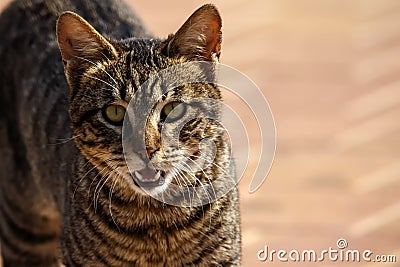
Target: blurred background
x=330 y=71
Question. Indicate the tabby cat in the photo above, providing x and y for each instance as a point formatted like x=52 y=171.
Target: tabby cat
x=67 y=195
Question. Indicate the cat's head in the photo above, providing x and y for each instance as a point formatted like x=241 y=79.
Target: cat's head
x=104 y=75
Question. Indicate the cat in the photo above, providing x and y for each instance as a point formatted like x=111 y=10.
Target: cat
x=67 y=195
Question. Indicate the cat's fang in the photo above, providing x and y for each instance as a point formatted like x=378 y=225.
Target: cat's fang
x=138 y=175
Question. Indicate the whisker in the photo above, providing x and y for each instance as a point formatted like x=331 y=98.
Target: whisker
x=110 y=200
x=101 y=80
x=108 y=176
x=100 y=172
x=99 y=186
x=83 y=177
x=216 y=165
x=90 y=170
x=202 y=206
x=94 y=64
x=64 y=140
x=176 y=177
x=181 y=175
x=121 y=79
x=191 y=174
x=206 y=176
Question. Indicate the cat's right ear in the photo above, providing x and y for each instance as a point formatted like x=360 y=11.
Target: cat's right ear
x=80 y=44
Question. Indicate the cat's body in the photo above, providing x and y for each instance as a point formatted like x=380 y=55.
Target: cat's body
x=56 y=203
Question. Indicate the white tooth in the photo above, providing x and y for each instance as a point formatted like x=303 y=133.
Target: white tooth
x=158 y=174
x=138 y=175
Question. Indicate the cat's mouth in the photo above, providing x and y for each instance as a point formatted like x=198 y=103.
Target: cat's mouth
x=148 y=178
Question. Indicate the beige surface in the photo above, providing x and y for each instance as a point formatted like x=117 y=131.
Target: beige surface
x=331 y=73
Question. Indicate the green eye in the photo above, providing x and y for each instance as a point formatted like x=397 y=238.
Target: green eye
x=178 y=109
x=114 y=114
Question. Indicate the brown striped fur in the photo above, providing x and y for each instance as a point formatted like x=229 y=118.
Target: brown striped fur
x=66 y=194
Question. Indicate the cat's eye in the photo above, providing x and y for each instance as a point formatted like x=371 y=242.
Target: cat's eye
x=114 y=114
x=178 y=109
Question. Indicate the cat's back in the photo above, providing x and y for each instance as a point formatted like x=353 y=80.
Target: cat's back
x=25 y=18
x=27 y=30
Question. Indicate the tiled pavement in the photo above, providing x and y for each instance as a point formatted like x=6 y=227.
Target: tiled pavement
x=331 y=73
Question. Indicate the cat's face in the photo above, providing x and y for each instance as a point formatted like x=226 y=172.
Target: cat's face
x=105 y=79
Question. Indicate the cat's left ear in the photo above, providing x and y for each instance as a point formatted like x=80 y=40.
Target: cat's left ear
x=80 y=43
x=199 y=38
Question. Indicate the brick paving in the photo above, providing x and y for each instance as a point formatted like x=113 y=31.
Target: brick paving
x=331 y=73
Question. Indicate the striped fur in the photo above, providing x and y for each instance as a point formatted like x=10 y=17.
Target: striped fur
x=66 y=194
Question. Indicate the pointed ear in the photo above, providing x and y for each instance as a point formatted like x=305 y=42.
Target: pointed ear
x=199 y=38
x=79 y=41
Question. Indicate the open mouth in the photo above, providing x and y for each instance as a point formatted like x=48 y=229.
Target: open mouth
x=148 y=178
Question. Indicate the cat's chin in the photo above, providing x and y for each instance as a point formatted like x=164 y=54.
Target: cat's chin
x=150 y=191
